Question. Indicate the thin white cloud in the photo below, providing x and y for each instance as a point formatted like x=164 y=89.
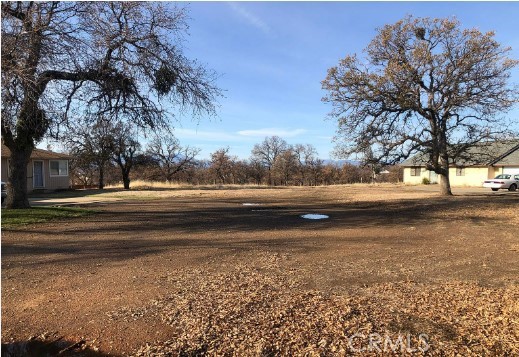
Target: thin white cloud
x=272 y=132
x=206 y=135
x=240 y=136
x=250 y=18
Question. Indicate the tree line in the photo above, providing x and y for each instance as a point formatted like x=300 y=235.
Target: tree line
x=110 y=153
x=423 y=85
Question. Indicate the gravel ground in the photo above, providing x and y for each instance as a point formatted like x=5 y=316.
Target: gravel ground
x=194 y=272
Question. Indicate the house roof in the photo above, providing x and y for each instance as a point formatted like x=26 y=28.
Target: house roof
x=488 y=153
x=510 y=159
x=39 y=154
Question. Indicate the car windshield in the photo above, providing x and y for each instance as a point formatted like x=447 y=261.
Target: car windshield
x=503 y=177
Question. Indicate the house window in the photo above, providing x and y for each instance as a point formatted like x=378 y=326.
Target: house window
x=415 y=171
x=460 y=171
x=58 y=167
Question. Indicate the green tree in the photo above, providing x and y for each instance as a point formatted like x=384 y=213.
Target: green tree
x=426 y=85
x=65 y=60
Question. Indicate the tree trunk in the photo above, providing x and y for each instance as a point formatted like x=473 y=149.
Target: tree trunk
x=101 y=177
x=445 y=184
x=125 y=173
x=126 y=177
x=17 y=180
x=126 y=182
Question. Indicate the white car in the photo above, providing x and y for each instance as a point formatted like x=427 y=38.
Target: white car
x=511 y=182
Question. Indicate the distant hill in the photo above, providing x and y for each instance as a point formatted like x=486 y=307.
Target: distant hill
x=340 y=163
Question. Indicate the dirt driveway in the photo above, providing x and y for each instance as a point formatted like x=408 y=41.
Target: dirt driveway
x=154 y=271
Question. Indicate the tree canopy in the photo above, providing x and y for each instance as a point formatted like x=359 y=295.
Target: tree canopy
x=64 y=60
x=425 y=85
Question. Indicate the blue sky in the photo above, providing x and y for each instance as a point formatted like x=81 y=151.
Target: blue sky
x=272 y=57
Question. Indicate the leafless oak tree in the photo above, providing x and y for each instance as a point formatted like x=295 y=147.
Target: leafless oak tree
x=91 y=145
x=64 y=60
x=268 y=151
x=307 y=160
x=125 y=147
x=171 y=157
x=223 y=165
x=426 y=86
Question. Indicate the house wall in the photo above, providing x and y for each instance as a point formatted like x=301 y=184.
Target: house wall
x=54 y=182
x=494 y=171
x=50 y=182
x=415 y=180
x=474 y=176
x=511 y=170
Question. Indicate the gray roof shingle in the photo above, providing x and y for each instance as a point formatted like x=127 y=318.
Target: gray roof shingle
x=487 y=153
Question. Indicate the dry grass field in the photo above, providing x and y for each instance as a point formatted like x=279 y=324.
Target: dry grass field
x=193 y=271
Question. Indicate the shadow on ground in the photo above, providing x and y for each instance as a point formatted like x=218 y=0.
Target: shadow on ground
x=131 y=230
x=188 y=216
x=44 y=348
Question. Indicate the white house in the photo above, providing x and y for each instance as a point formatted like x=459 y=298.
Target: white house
x=47 y=170
x=484 y=161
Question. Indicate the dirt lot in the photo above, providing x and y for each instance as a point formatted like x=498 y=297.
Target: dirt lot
x=194 y=271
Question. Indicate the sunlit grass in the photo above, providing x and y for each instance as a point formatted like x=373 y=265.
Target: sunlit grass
x=150 y=185
x=17 y=217
x=142 y=185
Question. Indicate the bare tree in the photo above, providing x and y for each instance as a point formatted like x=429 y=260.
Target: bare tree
x=82 y=171
x=306 y=157
x=125 y=147
x=92 y=145
x=63 y=60
x=222 y=164
x=171 y=157
x=286 y=166
x=426 y=86
x=267 y=152
x=256 y=170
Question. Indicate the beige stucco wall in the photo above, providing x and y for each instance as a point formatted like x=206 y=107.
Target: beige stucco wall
x=474 y=176
x=49 y=182
x=415 y=180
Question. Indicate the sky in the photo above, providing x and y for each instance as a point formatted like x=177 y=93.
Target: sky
x=272 y=56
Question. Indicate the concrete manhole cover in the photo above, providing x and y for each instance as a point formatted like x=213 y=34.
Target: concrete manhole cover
x=314 y=216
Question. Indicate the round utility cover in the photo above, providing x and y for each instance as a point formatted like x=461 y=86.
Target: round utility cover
x=314 y=216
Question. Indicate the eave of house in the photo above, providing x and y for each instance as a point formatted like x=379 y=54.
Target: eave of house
x=39 y=154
